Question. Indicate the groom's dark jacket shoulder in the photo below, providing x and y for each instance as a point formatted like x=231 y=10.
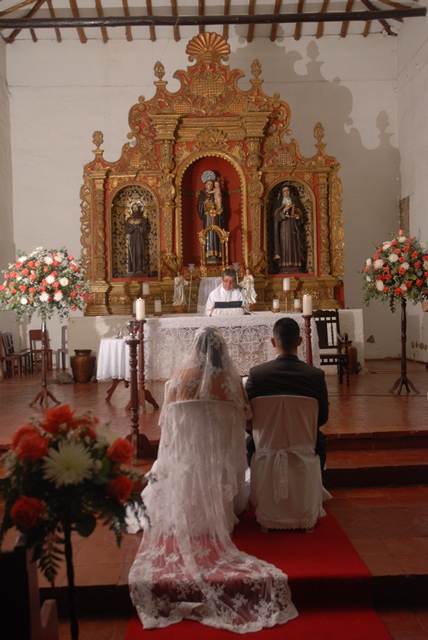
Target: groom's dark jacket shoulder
x=287 y=375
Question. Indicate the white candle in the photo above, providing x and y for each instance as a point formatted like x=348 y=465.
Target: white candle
x=286 y=284
x=140 y=309
x=275 y=303
x=146 y=289
x=158 y=306
x=307 y=305
x=297 y=303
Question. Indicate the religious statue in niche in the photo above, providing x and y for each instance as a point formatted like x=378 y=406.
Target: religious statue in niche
x=136 y=229
x=289 y=231
x=211 y=212
x=179 y=298
x=247 y=286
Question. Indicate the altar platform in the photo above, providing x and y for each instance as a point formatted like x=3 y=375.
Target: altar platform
x=377 y=473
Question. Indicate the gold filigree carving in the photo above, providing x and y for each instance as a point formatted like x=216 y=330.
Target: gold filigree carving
x=208 y=47
x=98 y=138
x=211 y=139
x=159 y=70
x=256 y=68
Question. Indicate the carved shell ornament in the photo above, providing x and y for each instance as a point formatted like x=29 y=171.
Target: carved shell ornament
x=208 y=46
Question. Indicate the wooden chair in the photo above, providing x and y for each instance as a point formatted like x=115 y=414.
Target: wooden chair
x=333 y=345
x=62 y=353
x=20 y=613
x=36 y=349
x=9 y=362
x=22 y=359
x=286 y=483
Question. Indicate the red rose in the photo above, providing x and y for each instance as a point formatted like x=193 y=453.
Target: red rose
x=397 y=251
x=23 y=431
x=426 y=274
x=31 y=447
x=31 y=264
x=417 y=265
x=2 y=287
x=73 y=308
x=398 y=291
x=73 y=294
x=385 y=289
x=121 y=451
x=17 y=265
x=401 y=271
x=45 y=269
x=42 y=288
x=375 y=257
x=388 y=276
x=13 y=291
x=408 y=284
x=55 y=284
x=419 y=282
x=57 y=416
x=401 y=260
x=22 y=287
x=26 y=512
x=406 y=249
x=32 y=290
x=415 y=255
x=37 y=263
x=394 y=243
x=33 y=276
x=25 y=272
x=120 y=488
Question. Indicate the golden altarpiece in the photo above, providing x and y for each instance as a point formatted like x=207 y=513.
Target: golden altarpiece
x=208 y=127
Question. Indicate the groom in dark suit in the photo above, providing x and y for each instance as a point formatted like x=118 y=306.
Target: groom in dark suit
x=287 y=375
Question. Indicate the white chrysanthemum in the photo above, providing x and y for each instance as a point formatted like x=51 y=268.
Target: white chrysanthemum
x=378 y=264
x=71 y=464
x=58 y=296
x=44 y=297
x=405 y=265
x=403 y=287
x=379 y=285
x=368 y=278
x=368 y=261
x=386 y=245
x=402 y=239
x=63 y=282
x=48 y=260
x=18 y=278
x=393 y=257
x=23 y=300
x=50 y=279
x=22 y=259
x=60 y=256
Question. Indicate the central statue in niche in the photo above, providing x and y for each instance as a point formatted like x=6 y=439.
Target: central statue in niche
x=211 y=212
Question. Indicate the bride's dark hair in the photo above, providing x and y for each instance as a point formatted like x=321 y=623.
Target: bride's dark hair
x=210 y=346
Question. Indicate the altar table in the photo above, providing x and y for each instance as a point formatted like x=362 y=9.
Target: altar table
x=169 y=338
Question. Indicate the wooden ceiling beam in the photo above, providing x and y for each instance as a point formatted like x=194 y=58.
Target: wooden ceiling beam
x=274 y=27
x=226 y=13
x=52 y=15
x=251 y=12
x=201 y=14
x=345 y=25
x=15 y=7
x=383 y=22
x=100 y=13
x=320 y=28
x=128 y=31
x=289 y=18
x=175 y=29
x=298 y=28
x=28 y=16
x=75 y=12
x=151 y=24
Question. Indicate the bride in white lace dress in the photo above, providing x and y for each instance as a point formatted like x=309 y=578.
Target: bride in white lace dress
x=187 y=565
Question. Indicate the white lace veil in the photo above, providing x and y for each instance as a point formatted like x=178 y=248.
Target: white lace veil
x=208 y=373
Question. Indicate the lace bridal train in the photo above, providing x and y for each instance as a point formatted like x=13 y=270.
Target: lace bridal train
x=187 y=566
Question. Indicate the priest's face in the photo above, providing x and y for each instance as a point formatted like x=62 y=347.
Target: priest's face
x=228 y=282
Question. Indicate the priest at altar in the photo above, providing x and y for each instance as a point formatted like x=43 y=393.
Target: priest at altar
x=227 y=291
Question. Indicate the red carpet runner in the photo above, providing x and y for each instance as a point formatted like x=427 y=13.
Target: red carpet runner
x=330 y=586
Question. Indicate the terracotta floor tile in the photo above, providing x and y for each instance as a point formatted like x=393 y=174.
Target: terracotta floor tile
x=413 y=564
x=371 y=547
x=384 y=565
x=407 y=545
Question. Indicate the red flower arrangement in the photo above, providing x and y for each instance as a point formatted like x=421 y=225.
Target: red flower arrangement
x=44 y=282
x=62 y=475
x=398 y=268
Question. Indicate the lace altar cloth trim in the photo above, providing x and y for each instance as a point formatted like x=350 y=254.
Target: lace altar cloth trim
x=167 y=340
x=234 y=591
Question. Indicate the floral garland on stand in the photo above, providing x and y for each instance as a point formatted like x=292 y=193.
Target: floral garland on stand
x=397 y=272
x=62 y=475
x=45 y=281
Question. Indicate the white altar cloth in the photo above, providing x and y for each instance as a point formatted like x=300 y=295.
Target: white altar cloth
x=168 y=339
x=113 y=359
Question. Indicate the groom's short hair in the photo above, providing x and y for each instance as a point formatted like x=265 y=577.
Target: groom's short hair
x=286 y=333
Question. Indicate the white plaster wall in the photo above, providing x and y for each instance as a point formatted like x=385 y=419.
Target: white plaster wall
x=7 y=249
x=412 y=102
x=71 y=90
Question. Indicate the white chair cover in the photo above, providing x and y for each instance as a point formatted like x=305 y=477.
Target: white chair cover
x=187 y=565
x=286 y=483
